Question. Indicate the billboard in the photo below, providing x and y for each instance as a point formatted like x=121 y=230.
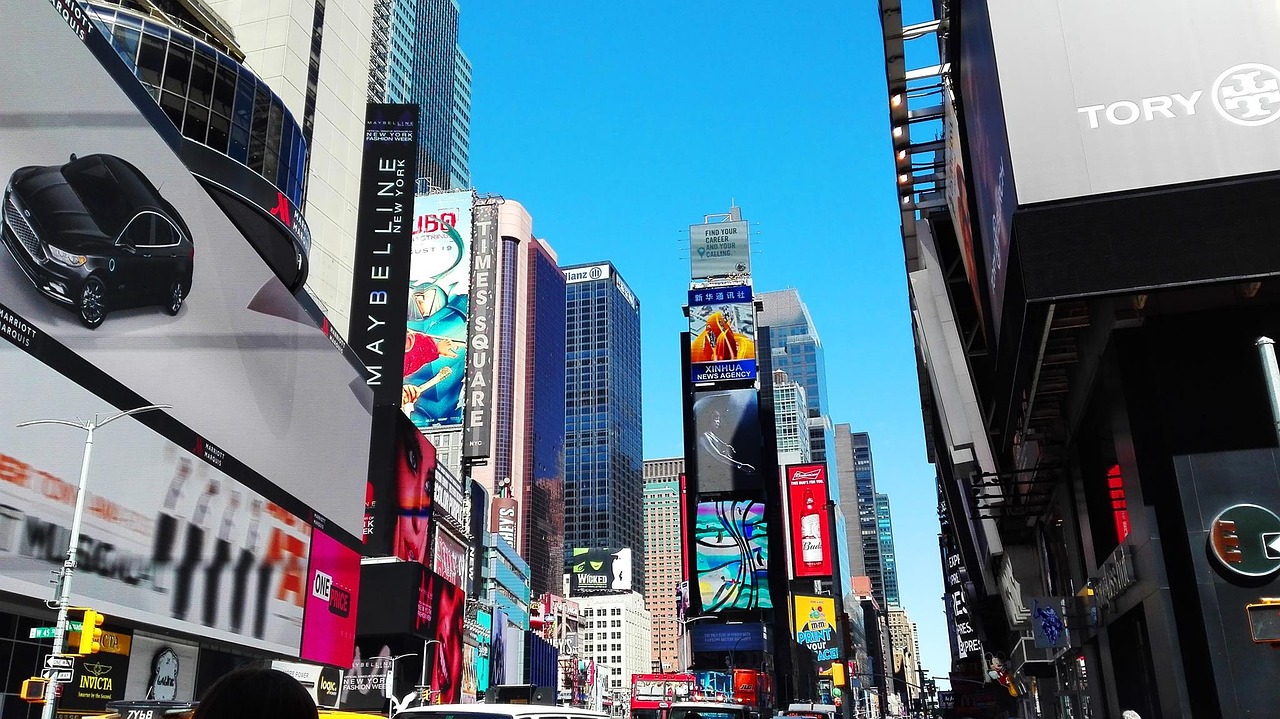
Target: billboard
x=594 y=571
x=1090 y=109
x=329 y=624
x=727 y=441
x=745 y=637
x=449 y=557
x=168 y=538
x=435 y=354
x=480 y=338
x=398 y=505
x=100 y=678
x=815 y=627
x=503 y=517
x=719 y=249
x=722 y=334
x=212 y=332
x=161 y=668
x=811 y=537
x=381 y=264
x=731 y=555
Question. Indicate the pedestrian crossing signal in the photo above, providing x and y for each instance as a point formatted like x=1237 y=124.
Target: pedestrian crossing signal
x=33 y=689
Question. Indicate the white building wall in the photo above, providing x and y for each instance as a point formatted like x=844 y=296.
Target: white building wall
x=275 y=36
x=620 y=633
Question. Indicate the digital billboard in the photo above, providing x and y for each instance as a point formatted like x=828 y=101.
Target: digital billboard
x=383 y=236
x=727 y=441
x=719 y=249
x=731 y=556
x=595 y=571
x=435 y=355
x=722 y=334
x=398 y=507
x=815 y=627
x=811 y=537
x=329 y=624
x=123 y=260
x=449 y=557
x=168 y=538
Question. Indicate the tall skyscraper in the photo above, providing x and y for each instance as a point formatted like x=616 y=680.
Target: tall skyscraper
x=306 y=51
x=856 y=470
x=414 y=58
x=527 y=423
x=888 y=560
x=604 y=481
x=906 y=656
x=662 y=556
x=797 y=350
x=791 y=416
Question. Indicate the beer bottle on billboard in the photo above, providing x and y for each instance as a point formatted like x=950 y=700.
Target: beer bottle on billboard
x=810 y=532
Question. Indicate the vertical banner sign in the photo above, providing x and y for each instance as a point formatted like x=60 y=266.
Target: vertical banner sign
x=502 y=519
x=810 y=526
x=479 y=386
x=384 y=237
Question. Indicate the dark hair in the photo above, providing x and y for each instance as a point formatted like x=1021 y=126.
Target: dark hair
x=256 y=693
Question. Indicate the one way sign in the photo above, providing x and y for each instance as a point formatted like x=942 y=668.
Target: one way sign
x=1271 y=544
x=56 y=661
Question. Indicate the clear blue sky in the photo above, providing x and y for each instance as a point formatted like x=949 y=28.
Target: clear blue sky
x=619 y=124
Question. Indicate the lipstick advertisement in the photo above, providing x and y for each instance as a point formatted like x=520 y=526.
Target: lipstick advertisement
x=810 y=525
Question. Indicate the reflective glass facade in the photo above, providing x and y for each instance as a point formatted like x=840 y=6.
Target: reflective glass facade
x=543 y=504
x=868 y=523
x=797 y=350
x=604 y=475
x=210 y=97
x=888 y=561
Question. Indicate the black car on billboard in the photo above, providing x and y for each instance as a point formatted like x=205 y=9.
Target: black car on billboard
x=96 y=235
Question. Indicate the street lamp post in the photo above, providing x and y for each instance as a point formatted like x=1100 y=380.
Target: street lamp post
x=391 y=684
x=426 y=696
x=63 y=592
x=686 y=660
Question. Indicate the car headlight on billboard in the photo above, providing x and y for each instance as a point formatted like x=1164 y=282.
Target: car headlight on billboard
x=65 y=258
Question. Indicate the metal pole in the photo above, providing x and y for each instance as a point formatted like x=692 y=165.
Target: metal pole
x=1271 y=371
x=842 y=623
x=68 y=569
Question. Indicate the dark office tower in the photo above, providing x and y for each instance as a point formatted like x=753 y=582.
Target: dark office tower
x=544 y=408
x=888 y=559
x=604 y=474
x=414 y=58
x=797 y=350
x=855 y=469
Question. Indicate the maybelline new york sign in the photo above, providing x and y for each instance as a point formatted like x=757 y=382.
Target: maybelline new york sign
x=1092 y=106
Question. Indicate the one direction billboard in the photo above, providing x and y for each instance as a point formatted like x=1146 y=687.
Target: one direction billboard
x=121 y=271
x=722 y=335
x=435 y=355
x=1092 y=106
x=719 y=249
x=811 y=537
x=597 y=571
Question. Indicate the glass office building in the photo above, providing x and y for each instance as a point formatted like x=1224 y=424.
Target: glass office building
x=604 y=472
x=209 y=96
x=797 y=350
x=415 y=58
x=888 y=560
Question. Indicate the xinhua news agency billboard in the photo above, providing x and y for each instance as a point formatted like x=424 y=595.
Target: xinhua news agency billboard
x=1092 y=107
x=811 y=538
x=722 y=335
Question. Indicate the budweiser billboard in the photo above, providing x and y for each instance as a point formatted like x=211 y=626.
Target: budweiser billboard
x=810 y=524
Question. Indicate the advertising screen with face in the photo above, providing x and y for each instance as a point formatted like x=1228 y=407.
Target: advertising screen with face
x=727 y=427
x=731 y=546
x=167 y=539
x=116 y=253
x=722 y=332
x=435 y=356
x=592 y=571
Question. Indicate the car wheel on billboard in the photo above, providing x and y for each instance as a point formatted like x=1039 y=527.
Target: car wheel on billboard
x=93 y=302
x=177 y=293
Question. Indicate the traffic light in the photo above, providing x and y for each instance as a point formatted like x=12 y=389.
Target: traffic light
x=90 y=632
x=33 y=689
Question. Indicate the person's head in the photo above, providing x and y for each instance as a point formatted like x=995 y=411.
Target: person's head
x=1129 y=714
x=256 y=693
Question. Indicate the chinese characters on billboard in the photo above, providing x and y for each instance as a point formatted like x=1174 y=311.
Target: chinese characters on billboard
x=810 y=525
x=722 y=334
x=728 y=441
x=731 y=547
x=435 y=355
